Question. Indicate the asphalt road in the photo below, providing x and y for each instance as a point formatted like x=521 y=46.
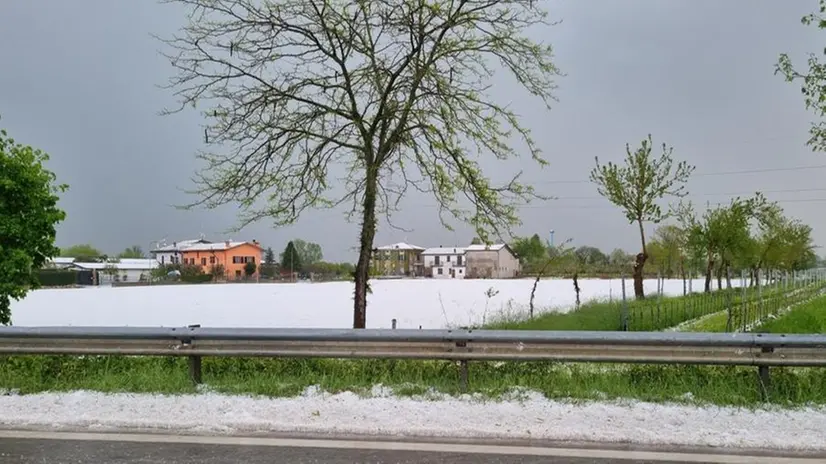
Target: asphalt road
x=123 y=448
x=28 y=451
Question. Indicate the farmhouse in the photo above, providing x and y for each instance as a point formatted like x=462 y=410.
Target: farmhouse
x=497 y=261
x=444 y=262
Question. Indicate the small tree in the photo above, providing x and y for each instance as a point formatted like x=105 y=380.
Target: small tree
x=269 y=256
x=249 y=269
x=133 y=252
x=636 y=188
x=309 y=252
x=290 y=259
x=83 y=253
x=28 y=219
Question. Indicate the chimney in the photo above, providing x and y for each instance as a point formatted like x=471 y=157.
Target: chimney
x=226 y=242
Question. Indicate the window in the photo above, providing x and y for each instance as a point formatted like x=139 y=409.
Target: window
x=163 y=258
x=203 y=261
x=125 y=278
x=436 y=259
x=212 y=260
x=440 y=271
x=448 y=258
x=401 y=256
x=459 y=260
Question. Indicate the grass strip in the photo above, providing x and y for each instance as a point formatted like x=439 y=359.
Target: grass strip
x=289 y=377
x=659 y=313
x=747 y=314
x=807 y=318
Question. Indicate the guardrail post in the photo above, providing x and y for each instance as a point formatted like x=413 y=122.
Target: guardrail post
x=194 y=362
x=463 y=367
x=764 y=377
x=393 y=323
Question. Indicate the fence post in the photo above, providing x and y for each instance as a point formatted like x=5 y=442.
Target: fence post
x=659 y=297
x=761 y=306
x=624 y=320
x=729 y=304
x=744 y=303
x=393 y=323
x=194 y=361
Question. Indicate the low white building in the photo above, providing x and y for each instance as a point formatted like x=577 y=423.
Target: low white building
x=444 y=262
x=495 y=261
x=124 y=270
x=172 y=254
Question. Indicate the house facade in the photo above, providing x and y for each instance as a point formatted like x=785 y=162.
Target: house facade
x=444 y=262
x=173 y=254
x=231 y=256
x=398 y=259
x=497 y=261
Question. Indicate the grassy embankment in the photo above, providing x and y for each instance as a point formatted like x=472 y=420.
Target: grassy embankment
x=807 y=318
x=660 y=313
x=749 y=313
x=288 y=377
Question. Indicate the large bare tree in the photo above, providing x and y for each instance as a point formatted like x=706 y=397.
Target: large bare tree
x=394 y=93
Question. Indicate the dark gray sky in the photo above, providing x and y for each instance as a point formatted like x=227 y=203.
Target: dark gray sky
x=79 y=80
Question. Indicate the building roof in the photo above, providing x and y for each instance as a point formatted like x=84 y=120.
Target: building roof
x=491 y=247
x=180 y=245
x=61 y=260
x=219 y=246
x=444 y=251
x=123 y=265
x=400 y=246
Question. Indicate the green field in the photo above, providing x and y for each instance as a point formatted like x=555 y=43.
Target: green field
x=809 y=317
x=273 y=377
x=660 y=313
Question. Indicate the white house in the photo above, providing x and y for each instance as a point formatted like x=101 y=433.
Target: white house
x=172 y=254
x=444 y=262
x=124 y=270
x=60 y=262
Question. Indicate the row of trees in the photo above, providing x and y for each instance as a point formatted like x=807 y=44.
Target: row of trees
x=88 y=253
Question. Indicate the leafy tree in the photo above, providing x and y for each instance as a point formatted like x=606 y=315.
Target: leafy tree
x=590 y=256
x=83 y=252
x=813 y=81
x=619 y=257
x=249 y=269
x=397 y=92
x=291 y=259
x=28 y=217
x=133 y=252
x=477 y=241
x=269 y=256
x=667 y=250
x=308 y=251
x=637 y=186
x=530 y=250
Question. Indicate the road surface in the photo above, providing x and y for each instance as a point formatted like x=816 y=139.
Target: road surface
x=41 y=447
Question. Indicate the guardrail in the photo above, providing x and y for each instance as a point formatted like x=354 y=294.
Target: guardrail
x=463 y=346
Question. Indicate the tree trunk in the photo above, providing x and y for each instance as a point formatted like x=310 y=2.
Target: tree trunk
x=727 y=266
x=709 y=270
x=720 y=276
x=368 y=232
x=639 y=264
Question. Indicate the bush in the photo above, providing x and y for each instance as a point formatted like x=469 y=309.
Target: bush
x=56 y=277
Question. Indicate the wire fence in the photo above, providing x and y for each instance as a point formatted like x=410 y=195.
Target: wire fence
x=742 y=306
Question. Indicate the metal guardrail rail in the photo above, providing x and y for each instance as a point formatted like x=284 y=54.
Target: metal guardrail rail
x=741 y=349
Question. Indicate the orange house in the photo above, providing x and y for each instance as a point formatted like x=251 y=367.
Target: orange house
x=233 y=256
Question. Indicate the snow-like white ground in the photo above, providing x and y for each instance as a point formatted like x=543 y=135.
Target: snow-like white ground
x=429 y=303
x=530 y=416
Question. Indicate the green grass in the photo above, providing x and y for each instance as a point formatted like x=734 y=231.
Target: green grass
x=653 y=313
x=807 y=318
x=747 y=313
x=278 y=378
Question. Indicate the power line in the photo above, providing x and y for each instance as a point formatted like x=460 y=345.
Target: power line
x=705 y=174
x=751 y=192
